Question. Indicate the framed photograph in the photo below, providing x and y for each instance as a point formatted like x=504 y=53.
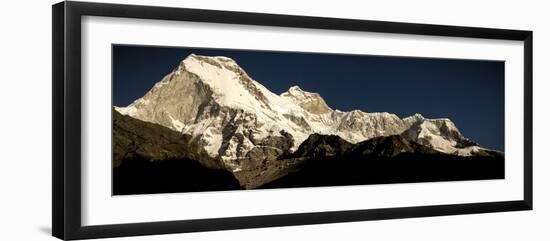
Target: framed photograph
x=169 y=120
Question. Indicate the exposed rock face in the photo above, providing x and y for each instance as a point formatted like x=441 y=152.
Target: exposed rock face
x=150 y=158
x=386 y=159
x=133 y=139
x=355 y=125
x=269 y=149
x=138 y=140
x=389 y=146
x=229 y=116
x=321 y=146
x=311 y=102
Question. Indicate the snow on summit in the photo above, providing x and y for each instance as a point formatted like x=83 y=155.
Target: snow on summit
x=229 y=114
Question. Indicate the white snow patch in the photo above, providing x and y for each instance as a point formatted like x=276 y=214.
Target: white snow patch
x=176 y=124
x=130 y=110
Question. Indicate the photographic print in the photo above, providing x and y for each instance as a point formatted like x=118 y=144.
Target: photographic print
x=202 y=119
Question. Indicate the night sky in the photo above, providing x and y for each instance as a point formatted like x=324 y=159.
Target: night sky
x=469 y=92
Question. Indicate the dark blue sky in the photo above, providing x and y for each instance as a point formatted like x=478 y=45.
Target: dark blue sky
x=469 y=92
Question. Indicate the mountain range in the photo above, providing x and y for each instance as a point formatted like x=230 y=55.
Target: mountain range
x=226 y=120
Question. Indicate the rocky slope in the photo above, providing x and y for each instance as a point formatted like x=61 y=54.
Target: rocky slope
x=135 y=139
x=149 y=158
x=232 y=118
x=332 y=161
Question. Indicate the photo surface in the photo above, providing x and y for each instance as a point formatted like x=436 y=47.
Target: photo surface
x=203 y=119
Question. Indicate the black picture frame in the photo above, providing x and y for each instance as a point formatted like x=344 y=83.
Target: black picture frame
x=66 y=128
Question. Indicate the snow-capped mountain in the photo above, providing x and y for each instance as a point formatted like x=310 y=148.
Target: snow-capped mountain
x=232 y=117
x=441 y=135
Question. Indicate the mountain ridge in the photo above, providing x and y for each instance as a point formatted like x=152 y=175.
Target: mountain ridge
x=150 y=158
x=228 y=115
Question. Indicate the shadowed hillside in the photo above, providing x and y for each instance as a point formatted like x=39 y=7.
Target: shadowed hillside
x=391 y=159
x=149 y=158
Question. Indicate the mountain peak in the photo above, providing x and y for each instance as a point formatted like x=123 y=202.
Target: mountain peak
x=416 y=118
x=309 y=101
x=190 y=58
x=202 y=57
x=295 y=89
x=297 y=92
x=217 y=61
x=441 y=135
